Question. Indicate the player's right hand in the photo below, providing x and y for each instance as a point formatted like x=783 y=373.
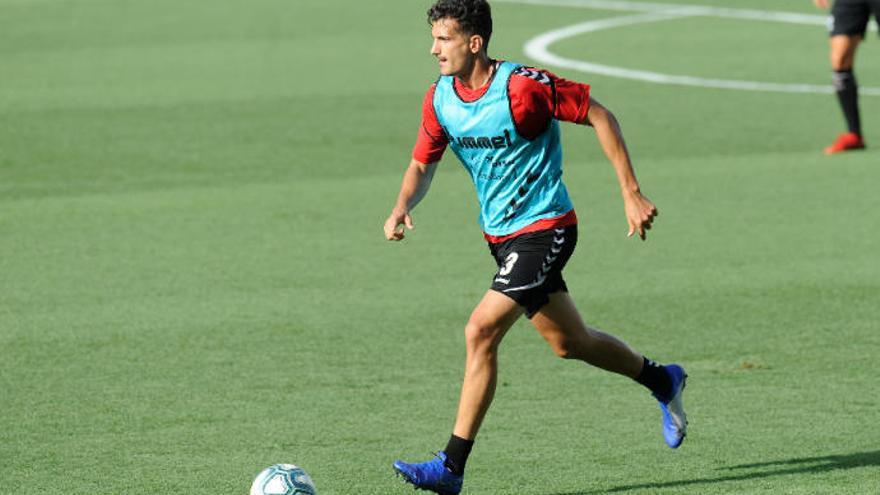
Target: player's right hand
x=394 y=226
x=822 y=4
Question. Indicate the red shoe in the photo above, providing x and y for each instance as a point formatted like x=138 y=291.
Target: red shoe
x=845 y=142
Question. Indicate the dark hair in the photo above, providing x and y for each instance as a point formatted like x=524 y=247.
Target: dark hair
x=473 y=16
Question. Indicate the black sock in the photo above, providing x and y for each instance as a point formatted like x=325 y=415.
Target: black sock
x=457 y=451
x=848 y=94
x=656 y=378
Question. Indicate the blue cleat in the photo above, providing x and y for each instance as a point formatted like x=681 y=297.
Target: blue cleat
x=432 y=475
x=674 y=418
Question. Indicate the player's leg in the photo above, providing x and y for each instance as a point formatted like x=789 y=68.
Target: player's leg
x=561 y=325
x=849 y=21
x=485 y=329
x=842 y=51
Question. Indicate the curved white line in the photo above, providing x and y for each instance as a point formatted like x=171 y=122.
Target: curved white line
x=538 y=47
x=757 y=15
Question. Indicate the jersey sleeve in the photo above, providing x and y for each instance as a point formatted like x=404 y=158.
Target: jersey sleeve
x=431 y=141
x=537 y=96
x=572 y=100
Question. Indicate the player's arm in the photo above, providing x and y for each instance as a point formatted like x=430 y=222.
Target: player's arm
x=416 y=182
x=428 y=151
x=640 y=212
x=538 y=95
x=822 y=4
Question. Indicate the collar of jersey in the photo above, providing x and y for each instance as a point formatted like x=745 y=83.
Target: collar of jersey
x=471 y=95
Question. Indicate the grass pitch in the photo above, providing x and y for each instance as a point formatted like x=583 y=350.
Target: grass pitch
x=194 y=284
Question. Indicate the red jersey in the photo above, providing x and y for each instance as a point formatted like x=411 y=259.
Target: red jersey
x=536 y=97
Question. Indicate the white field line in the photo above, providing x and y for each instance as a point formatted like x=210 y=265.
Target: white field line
x=703 y=10
x=538 y=48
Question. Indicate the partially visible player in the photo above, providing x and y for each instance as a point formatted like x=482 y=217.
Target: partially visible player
x=847 y=26
x=501 y=119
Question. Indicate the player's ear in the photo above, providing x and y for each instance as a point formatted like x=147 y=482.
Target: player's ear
x=476 y=43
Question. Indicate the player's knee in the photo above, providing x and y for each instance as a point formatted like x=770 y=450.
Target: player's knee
x=480 y=335
x=565 y=348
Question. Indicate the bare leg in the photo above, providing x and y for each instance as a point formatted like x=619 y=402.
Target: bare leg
x=843 y=51
x=562 y=327
x=488 y=324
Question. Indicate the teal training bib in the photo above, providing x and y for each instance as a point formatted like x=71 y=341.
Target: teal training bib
x=518 y=181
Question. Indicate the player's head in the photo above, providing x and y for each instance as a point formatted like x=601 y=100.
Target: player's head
x=461 y=30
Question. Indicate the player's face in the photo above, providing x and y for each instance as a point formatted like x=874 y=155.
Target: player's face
x=454 y=49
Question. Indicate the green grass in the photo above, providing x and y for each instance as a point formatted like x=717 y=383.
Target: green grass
x=194 y=284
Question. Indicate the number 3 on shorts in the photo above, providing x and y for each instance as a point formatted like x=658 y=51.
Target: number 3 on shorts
x=508 y=264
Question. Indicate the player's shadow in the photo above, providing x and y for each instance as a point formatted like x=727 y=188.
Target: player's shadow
x=741 y=472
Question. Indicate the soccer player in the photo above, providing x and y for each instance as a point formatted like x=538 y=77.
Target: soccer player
x=849 y=20
x=501 y=120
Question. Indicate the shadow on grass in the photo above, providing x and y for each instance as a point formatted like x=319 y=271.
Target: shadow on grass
x=741 y=472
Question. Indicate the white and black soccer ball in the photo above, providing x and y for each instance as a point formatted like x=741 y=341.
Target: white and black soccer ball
x=283 y=479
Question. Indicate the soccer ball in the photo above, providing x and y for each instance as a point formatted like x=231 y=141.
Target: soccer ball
x=283 y=479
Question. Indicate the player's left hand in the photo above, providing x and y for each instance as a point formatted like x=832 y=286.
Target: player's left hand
x=640 y=213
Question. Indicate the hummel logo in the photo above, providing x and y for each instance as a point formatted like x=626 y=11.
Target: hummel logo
x=485 y=142
x=555 y=250
x=538 y=281
x=559 y=241
x=533 y=74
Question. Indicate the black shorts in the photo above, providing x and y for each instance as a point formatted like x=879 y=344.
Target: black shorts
x=850 y=17
x=530 y=266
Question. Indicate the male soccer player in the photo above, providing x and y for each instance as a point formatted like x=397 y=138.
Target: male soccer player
x=849 y=20
x=501 y=120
